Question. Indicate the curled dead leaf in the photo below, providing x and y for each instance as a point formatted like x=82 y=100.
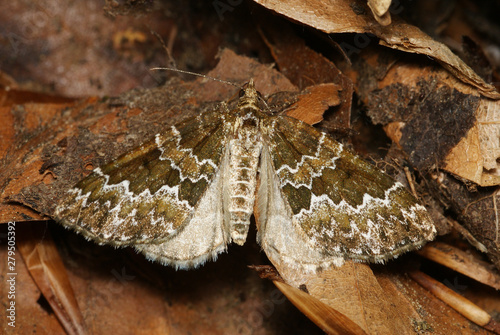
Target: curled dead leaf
x=380 y=10
x=340 y=16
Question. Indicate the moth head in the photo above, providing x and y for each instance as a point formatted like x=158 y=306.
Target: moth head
x=248 y=90
x=250 y=96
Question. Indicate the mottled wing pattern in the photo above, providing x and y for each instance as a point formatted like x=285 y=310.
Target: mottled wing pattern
x=181 y=197
x=203 y=238
x=152 y=194
x=319 y=204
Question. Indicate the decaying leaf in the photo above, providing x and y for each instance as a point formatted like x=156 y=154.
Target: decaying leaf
x=312 y=105
x=343 y=16
x=47 y=270
x=326 y=317
x=305 y=67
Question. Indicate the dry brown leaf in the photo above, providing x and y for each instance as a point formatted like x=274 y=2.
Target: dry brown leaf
x=305 y=67
x=47 y=270
x=341 y=16
x=353 y=290
x=327 y=318
x=408 y=38
x=313 y=104
x=380 y=10
x=29 y=305
x=475 y=158
x=239 y=69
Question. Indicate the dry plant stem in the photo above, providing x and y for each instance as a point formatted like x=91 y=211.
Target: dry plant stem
x=456 y=301
x=327 y=318
x=460 y=261
x=410 y=181
x=467 y=235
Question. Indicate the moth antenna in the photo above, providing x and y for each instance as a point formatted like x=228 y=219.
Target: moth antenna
x=166 y=47
x=195 y=74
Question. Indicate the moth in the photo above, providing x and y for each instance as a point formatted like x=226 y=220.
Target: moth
x=182 y=197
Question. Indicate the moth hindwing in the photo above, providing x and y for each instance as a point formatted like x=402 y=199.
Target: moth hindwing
x=182 y=197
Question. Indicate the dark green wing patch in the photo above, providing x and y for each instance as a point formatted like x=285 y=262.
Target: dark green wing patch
x=149 y=193
x=345 y=206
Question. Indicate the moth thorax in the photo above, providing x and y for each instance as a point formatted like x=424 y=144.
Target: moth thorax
x=249 y=100
x=246 y=104
x=244 y=157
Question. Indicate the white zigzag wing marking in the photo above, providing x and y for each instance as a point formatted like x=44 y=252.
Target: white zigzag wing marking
x=203 y=237
x=334 y=204
x=150 y=193
x=280 y=236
